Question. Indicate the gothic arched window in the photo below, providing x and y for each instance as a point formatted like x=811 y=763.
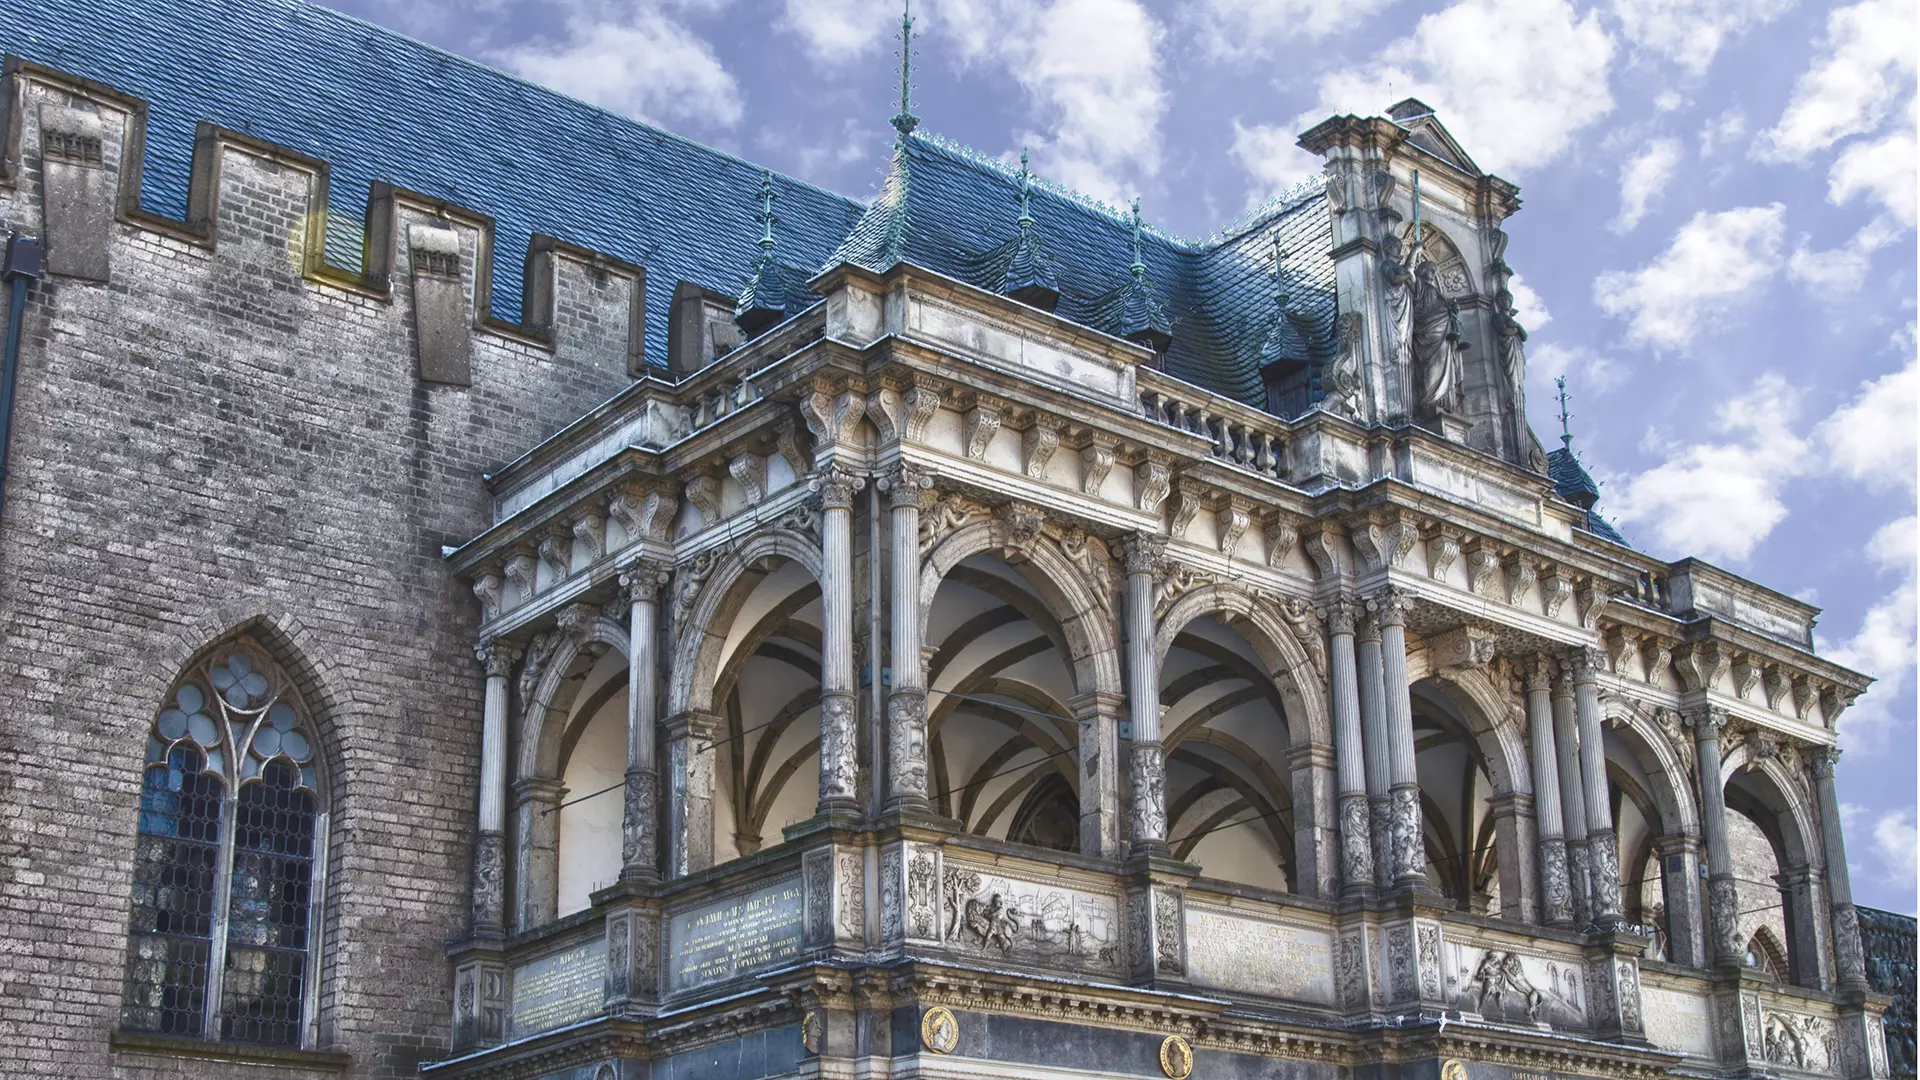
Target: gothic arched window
x=227 y=871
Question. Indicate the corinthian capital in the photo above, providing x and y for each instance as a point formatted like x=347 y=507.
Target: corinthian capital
x=1707 y=722
x=905 y=484
x=496 y=656
x=836 y=487
x=1823 y=759
x=1389 y=605
x=1145 y=553
x=642 y=580
x=1341 y=616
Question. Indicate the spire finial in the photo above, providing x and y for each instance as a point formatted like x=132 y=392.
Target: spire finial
x=1416 y=211
x=766 y=212
x=904 y=122
x=1566 y=432
x=1026 y=192
x=1139 y=266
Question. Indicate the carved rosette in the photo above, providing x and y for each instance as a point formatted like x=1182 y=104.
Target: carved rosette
x=907 y=743
x=638 y=822
x=1149 y=793
x=837 y=779
x=489 y=882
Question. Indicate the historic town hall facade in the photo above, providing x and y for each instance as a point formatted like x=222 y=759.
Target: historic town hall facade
x=966 y=634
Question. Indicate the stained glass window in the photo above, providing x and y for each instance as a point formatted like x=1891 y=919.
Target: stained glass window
x=231 y=841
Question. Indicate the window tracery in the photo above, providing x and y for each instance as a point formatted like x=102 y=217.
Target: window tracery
x=228 y=863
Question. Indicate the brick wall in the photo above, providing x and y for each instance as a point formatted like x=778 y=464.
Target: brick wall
x=210 y=440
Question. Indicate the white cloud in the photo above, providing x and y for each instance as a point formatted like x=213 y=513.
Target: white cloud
x=1719 y=499
x=1528 y=309
x=1642 y=179
x=837 y=31
x=1271 y=157
x=1716 y=260
x=1884 y=645
x=1587 y=372
x=1897 y=844
x=1860 y=72
x=1513 y=80
x=1690 y=32
x=1838 y=273
x=1245 y=29
x=644 y=64
x=1872 y=438
x=1883 y=169
x=1091 y=72
x=1722 y=131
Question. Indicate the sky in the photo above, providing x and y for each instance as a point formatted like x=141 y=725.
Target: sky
x=1717 y=246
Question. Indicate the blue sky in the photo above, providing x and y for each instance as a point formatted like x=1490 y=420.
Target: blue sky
x=1717 y=246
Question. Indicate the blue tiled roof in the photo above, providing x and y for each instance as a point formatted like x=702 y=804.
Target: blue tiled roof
x=379 y=106
x=1571 y=481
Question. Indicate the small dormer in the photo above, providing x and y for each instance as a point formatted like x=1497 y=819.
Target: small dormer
x=700 y=328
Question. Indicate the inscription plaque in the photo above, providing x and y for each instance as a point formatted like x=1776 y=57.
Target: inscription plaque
x=728 y=938
x=1256 y=956
x=564 y=988
x=1677 y=1021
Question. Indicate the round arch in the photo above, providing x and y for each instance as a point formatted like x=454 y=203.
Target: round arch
x=1279 y=649
x=701 y=643
x=540 y=742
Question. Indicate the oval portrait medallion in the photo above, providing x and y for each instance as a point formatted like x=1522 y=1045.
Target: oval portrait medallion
x=939 y=1030
x=1453 y=1069
x=811 y=1026
x=1176 y=1058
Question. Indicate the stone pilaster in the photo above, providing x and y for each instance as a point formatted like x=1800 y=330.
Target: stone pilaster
x=1373 y=721
x=1723 y=904
x=907 y=702
x=1145 y=555
x=839 y=744
x=489 y=840
x=480 y=1001
x=1808 y=924
x=1310 y=772
x=536 y=807
x=1514 y=844
x=1849 y=957
x=1680 y=894
x=1573 y=802
x=1349 y=748
x=1556 y=892
x=639 y=820
x=1603 y=853
x=690 y=761
x=1404 y=822
x=1098 y=716
x=633 y=956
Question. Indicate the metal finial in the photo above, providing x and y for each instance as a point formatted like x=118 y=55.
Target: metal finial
x=1566 y=432
x=766 y=211
x=904 y=122
x=1026 y=192
x=1139 y=266
x=1416 y=210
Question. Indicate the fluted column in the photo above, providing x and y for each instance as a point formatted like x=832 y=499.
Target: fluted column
x=1849 y=955
x=1409 y=838
x=639 y=822
x=1349 y=754
x=839 y=746
x=1556 y=894
x=1603 y=853
x=1144 y=556
x=907 y=702
x=1573 y=802
x=1722 y=900
x=1374 y=749
x=490 y=838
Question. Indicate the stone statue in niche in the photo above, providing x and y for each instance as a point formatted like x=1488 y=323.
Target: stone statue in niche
x=1437 y=345
x=1398 y=290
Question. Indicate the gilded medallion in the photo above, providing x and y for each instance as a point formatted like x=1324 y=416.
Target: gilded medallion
x=812 y=1026
x=939 y=1030
x=1453 y=1069
x=1176 y=1058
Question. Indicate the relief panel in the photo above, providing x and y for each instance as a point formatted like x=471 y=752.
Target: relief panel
x=1501 y=984
x=1002 y=918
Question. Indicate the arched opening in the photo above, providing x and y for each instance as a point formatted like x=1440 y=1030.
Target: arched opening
x=1456 y=790
x=1224 y=730
x=593 y=759
x=1001 y=741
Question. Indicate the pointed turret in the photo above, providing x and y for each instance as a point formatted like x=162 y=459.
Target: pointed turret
x=1285 y=344
x=1029 y=276
x=1140 y=316
x=1571 y=480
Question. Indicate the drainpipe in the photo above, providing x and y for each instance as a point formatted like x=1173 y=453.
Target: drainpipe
x=22 y=265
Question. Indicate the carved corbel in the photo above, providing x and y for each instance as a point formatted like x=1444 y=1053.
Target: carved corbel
x=1323 y=547
x=882 y=407
x=1443 y=548
x=1556 y=588
x=520 y=569
x=1622 y=644
x=1185 y=507
x=1522 y=569
x=1234 y=518
x=556 y=550
x=1591 y=598
x=487 y=588
x=981 y=424
x=1746 y=675
x=1037 y=445
x=1834 y=700
x=1779 y=687
x=1805 y=694
x=920 y=402
x=1700 y=666
x=1152 y=480
x=703 y=491
x=786 y=443
x=750 y=472
x=591 y=530
x=1384 y=538
x=645 y=515
x=1282 y=535
x=1657 y=656
x=1096 y=461
x=832 y=414
x=1020 y=525
x=1483 y=565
